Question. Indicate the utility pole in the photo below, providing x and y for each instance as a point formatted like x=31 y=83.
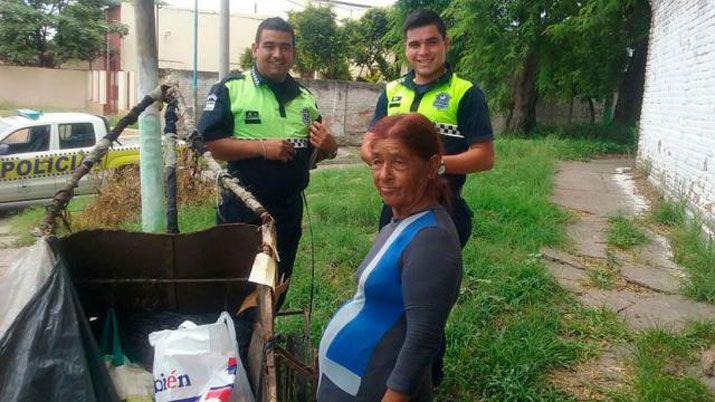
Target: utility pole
x=224 y=18
x=195 y=82
x=150 y=150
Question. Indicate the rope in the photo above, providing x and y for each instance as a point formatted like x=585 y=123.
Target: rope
x=312 y=259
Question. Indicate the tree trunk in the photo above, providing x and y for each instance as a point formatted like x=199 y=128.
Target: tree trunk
x=608 y=109
x=630 y=93
x=523 y=93
x=592 y=110
x=570 y=120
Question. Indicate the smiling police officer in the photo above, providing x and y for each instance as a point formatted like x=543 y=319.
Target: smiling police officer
x=456 y=106
x=267 y=126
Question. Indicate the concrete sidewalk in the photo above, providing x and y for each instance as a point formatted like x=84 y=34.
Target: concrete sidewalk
x=646 y=291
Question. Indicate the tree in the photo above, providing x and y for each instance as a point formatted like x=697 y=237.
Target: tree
x=370 y=43
x=320 y=44
x=603 y=49
x=503 y=45
x=246 y=59
x=636 y=22
x=48 y=33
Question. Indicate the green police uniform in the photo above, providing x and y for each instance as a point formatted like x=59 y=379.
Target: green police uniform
x=252 y=107
x=459 y=110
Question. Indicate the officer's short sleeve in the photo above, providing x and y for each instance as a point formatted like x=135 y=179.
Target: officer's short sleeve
x=216 y=120
x=380 y=109
x=473 y=117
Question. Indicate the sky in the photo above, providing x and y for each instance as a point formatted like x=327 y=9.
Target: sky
x=279 y=7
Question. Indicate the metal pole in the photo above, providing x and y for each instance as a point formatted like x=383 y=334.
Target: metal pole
x=224 y=39
x=195 y=83
x=150 y=150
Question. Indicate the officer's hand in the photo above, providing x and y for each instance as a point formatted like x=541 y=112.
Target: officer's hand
x=279 y=150
x=320 y=138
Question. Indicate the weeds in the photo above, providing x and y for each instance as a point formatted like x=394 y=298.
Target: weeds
x=691 y=248
x=624 y=233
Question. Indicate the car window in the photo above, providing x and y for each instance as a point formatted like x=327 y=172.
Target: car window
x=29 y=139
x=76 y=135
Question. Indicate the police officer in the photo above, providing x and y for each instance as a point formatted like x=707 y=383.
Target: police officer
x=267 y=127
x=456 y=106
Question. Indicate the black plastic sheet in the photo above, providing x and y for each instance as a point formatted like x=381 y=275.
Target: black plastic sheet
x=49 y=352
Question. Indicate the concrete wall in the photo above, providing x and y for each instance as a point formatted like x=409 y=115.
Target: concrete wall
x=175 y=38
x=677 y=127
x=346 y=107
x=32 y=86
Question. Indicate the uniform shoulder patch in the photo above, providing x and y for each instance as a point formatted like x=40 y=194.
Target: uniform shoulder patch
x=210 y=103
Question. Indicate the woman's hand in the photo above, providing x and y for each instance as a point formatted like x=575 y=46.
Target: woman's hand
x=394 y=396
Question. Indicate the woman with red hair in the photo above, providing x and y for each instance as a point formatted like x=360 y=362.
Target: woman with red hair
x=379 y=346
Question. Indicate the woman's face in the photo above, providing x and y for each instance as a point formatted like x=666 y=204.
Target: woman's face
x=400 y=176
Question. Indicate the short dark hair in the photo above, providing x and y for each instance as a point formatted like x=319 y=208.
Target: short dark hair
x=422 y=18
x=274 y=24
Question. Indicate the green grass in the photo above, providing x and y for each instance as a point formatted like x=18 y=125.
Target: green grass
x=23 y=221
x=512 y=323
x=691 y=248
x=661 y=360
x=625 y=233
x=669 y=214
x=603 y=277
x=508 y=328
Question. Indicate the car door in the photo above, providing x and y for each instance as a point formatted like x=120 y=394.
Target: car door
x=75 y=142
x=26 y=165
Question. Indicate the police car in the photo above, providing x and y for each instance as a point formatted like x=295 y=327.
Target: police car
x=38 y=152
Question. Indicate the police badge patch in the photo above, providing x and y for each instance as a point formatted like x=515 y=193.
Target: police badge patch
x=306 y=116
x=252 y=117
x=441 y=101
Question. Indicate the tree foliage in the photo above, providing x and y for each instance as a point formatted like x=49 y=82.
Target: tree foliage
x=48 y=33
x=370 y=44
x=603 y=42
x=522 y=50
x=246 y=59
x=320 y=43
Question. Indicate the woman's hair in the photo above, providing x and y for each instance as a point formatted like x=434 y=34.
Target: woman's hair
x=420 y=137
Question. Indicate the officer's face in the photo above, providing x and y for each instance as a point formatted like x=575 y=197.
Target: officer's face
x=274 y=54
x=426 y=51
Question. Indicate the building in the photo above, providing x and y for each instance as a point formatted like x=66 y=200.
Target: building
x=175 y=30
x=112 y=81
x=677 y=126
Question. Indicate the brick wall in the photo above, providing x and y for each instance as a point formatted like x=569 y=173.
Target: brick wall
x=677 y=127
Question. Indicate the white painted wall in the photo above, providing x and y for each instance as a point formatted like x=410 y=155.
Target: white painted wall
x=677 y=127
x=175 y=38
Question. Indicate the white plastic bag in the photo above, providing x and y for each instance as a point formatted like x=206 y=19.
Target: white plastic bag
x=199 y=363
